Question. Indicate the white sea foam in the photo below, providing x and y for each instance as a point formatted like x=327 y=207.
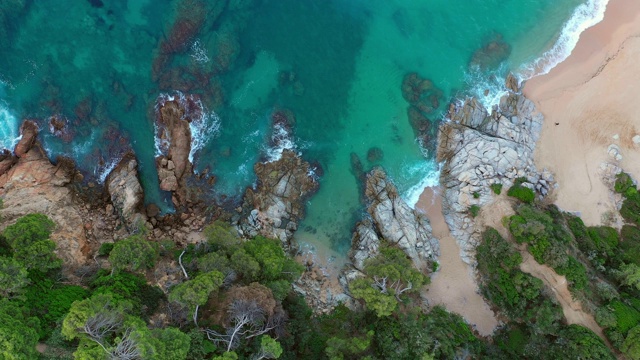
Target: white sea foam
x=431 y=178
x=103 y=172
x=488 y=88
x=199 y=53
x=281 y=138
x=203 y=129
x=9 y=129
x=584 y=16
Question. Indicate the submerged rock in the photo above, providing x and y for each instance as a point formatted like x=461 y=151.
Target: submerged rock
x=375 y=154
x=492 y=54
x=423 y=98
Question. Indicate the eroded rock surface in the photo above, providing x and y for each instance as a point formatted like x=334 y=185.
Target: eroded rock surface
x=126 y=193
x=33 y=185
x=480 y=149
x=276 y=205
x=396 y=222
x=174 y=113
x=393 y=221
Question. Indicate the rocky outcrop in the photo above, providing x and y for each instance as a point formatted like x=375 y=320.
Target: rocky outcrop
x=480 y=149
x=33 y=185
x=7 y=160
x=29 y=132
x=276 y=205
x=393 y=221
x=126 y=193
x=396 y=222
x=364 y=244
x=173 y=115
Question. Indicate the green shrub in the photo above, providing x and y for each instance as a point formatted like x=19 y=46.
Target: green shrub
x=605 y=238
x=133 y=253
x=630 y=244
x=105 y=249
x=580 y=233
x=28 y=230
x=130 y=287
x=503 y=282
x=474 y=210
x=497 y=188
x=575 y=273
x=630 y=209
x=522 y=193
x=623 y=183
x=50 y=302
x=627 y=317
x=476 y=195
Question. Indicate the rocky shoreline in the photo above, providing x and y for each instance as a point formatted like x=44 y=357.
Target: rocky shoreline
x=479 y=149
x=88 y=215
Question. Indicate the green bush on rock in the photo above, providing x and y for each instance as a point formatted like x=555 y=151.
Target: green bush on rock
x=522 y=193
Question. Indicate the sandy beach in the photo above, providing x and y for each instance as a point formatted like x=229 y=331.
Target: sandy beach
x=454 y=285
x=590 y=104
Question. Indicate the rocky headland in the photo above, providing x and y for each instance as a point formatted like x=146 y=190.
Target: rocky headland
x=389 y=219
x=479 y=149
x=275 y=206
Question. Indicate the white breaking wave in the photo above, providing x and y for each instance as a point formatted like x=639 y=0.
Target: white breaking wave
x=487 y=88
x=584 y=16
x=102 y=173
x=281 y=138
x=9 y=129
x=432 y=178
x=203 y=129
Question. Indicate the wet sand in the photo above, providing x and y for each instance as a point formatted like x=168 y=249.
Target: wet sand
x=454 y=285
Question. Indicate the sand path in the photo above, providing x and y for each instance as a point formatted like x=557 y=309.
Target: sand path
x=492 y=215
x=571 y=308
x=590 y=102
x=454 y=284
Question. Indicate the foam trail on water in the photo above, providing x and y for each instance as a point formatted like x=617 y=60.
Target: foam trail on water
x=431 y=178
x=584 y=16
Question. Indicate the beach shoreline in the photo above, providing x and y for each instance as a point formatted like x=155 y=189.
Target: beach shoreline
x=580 y=125
x=588 y=102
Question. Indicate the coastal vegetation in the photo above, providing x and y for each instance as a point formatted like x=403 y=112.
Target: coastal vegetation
x=235 y=300
x=600 y=264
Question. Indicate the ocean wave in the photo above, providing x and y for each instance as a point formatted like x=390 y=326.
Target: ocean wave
x=9 y=129
x=281 y=140
x=101 y=173
x=584 y=16
x=487 y=87
x=431 y=178
x=202 y=129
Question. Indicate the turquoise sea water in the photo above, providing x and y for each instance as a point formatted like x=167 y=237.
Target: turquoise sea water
x=337 y=65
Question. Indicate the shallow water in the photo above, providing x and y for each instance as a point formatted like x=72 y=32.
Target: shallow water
x=337 y=65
